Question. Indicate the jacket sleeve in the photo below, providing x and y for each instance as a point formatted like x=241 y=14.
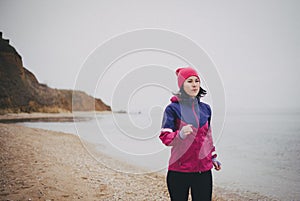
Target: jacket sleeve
x=169 y=134
x=213 y=150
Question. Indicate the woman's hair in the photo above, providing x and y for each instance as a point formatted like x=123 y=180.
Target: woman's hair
x=183 y=94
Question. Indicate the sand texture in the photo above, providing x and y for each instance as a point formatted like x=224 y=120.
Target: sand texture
x=38 y=164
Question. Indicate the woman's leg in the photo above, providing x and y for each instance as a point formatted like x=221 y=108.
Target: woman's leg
x=178 y=186
x=202 y=186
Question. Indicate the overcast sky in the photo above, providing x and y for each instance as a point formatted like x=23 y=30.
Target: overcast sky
x=254 y=44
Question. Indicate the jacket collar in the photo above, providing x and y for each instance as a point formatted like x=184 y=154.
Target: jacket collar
x=177 y=99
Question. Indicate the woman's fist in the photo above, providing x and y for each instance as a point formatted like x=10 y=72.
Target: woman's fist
x=185 y=131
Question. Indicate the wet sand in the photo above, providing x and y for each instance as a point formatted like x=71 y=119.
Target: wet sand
x=37 y=164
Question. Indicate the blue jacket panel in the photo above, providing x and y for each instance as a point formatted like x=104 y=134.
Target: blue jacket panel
x=190 y=111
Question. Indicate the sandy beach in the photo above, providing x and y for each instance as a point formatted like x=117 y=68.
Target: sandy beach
x=38 y=164
x=44 y=165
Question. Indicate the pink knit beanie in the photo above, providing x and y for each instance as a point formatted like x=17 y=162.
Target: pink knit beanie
x=184 y=73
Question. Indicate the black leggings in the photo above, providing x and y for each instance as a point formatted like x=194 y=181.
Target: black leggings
x=179 y=184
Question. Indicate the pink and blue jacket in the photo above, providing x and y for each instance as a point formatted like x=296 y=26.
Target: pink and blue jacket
x=195 y=152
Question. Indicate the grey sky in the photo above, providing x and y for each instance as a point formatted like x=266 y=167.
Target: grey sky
x=254 y=44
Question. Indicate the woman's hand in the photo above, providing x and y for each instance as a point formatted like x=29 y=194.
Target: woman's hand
x=216 y=164
x=185 y=131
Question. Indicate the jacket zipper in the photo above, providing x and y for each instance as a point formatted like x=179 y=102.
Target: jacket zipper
x=196 y=116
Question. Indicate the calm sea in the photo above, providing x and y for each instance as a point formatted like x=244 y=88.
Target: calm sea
x=259 y=151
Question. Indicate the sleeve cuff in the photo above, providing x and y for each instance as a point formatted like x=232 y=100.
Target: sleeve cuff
x=214 y=154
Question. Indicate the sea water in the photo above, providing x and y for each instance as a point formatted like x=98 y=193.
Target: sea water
x=259 y=151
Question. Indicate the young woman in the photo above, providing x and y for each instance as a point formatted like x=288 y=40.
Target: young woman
x=186 y=128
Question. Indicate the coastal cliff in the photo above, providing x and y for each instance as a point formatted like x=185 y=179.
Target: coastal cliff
x=20 y=90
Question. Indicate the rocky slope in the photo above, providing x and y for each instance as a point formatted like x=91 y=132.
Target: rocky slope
x=20 y=91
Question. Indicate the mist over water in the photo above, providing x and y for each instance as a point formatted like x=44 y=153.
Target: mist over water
x=259 y=150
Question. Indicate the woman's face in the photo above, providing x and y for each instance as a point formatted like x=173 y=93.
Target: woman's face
x=191 y=86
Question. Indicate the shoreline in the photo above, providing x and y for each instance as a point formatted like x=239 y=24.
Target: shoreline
x=59 y=117
x=37 y=164
x=33 y=162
